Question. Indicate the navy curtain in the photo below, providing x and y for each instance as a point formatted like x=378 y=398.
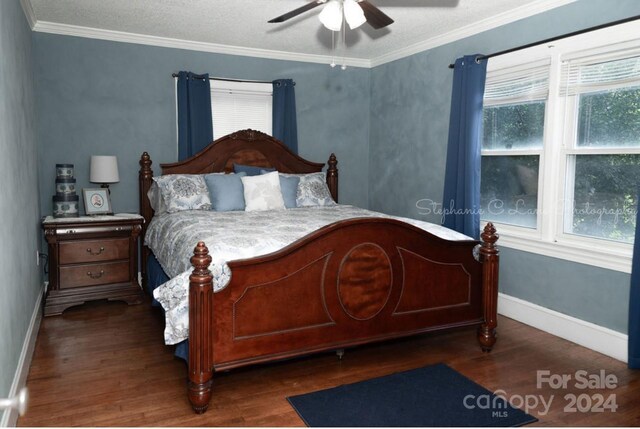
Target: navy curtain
x=195 y=130
x=461 y=199
x=285 y=127
x=634 y=301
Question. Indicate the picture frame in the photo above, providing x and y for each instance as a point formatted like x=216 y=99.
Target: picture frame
x=96 y=201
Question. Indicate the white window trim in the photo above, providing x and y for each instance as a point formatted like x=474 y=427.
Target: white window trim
x=549 y=239
x=571 y=249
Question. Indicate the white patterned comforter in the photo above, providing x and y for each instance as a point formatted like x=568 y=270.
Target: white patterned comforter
x=237 y=235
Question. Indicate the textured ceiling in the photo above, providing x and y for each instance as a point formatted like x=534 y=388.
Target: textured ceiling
x=243 y=23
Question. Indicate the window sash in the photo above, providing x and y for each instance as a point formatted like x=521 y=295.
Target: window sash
x=570 y=107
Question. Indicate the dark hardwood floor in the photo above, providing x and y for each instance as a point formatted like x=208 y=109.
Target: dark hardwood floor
x=105 y=364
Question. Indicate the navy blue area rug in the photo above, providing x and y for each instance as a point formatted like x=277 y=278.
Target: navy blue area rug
x=431 y=396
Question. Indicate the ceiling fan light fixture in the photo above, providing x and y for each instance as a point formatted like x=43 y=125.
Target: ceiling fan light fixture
x=354 y=14
x=331 y=15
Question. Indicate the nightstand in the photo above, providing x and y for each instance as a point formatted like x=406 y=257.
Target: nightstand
x=92 y=258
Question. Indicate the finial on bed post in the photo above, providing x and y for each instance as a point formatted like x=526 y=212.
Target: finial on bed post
x=490 y=258
x=332 y=176
x=145 y=178
x=200 y=329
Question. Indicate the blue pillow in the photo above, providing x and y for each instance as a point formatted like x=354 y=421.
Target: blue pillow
x=226 y=191
x=289 y=189
x=250 y=170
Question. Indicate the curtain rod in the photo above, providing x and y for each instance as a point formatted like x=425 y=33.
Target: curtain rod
x=223 y=79
x=553 y=39
x=174 y=75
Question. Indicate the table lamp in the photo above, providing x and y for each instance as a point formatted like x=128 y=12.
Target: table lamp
x=104 y=170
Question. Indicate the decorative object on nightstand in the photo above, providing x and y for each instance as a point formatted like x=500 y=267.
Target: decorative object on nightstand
x=92 y=258
x=65 y=201
x=104 y=170
x=97 y=201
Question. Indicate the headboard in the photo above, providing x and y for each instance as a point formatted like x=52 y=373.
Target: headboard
x=247 y=147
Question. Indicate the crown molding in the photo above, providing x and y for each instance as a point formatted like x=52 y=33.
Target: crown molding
x=143 y=39
x=29 y=13
x=470 y=30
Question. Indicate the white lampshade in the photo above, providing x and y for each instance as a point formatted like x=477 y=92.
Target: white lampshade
x=104 y=169
x=331 y=15
x=354 y=14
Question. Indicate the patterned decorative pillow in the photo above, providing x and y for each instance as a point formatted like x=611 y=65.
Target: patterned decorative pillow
x=155 y=199
x=183 y=192
x=313 y=191
x=263 y=192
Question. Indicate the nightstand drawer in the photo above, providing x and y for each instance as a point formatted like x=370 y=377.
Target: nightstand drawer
x=94 y=251
x=94 y=274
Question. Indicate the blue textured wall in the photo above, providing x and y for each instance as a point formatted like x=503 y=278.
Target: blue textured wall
x=19 y=214
x=410 y=103
x=100 y=98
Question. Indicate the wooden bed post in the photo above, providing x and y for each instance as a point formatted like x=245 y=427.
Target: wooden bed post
x=200 y=329
x=145 y=178
x=490 y=258
x=332 y=176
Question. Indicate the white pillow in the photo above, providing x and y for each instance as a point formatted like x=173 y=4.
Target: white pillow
x=262 y=192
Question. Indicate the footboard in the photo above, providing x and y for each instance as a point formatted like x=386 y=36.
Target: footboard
x=350 y=283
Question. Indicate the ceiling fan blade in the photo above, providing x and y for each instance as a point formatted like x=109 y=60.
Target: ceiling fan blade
x=298 y=11
x=375 y=17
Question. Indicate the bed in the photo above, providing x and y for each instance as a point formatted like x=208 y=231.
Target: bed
x=348 y=283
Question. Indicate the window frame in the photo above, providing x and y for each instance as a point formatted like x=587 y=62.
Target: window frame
x=559 y=146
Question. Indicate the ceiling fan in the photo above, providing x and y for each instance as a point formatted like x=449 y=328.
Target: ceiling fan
x=354 y=12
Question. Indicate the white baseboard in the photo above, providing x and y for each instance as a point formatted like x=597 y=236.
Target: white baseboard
x=592 y=336
x=10 y=417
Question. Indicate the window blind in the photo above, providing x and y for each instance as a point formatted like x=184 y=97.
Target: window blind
x=517 y=84
x=239 y=105
x=600 y=72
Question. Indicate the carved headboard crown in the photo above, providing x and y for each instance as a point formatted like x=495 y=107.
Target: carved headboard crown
x=248 y=147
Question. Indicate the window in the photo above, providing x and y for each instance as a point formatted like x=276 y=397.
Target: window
x=602 y=105
x=515 y=102
x=240 y=105
x=561 y=147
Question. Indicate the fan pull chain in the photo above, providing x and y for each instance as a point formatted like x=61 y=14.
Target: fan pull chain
x=344 y=42
x=333 y=49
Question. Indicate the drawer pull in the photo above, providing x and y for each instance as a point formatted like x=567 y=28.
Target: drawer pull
x=95 y=276
x=89 y=251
